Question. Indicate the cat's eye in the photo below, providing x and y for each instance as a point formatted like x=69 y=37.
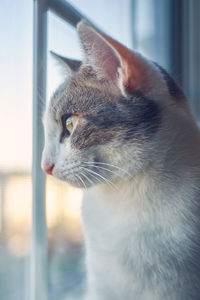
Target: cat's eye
x=70 y=123
x=67 y=123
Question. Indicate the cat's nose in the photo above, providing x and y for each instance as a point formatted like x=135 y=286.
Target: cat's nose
x=47 y=163
x=48 y=168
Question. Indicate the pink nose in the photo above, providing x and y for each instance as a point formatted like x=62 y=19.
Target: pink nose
x=48 y=169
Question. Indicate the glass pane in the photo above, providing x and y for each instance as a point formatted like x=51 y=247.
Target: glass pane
x=112 y=16
x=63 y=40
x=151 y=30
x=15 y=151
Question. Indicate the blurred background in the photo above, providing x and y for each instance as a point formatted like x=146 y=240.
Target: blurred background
x=166 y=31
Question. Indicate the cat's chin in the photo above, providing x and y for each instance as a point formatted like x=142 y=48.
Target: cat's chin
x=77 y=183
x=78 y=180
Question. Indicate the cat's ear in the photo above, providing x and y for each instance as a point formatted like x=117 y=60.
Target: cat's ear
x=128 y=70
x=69 y=65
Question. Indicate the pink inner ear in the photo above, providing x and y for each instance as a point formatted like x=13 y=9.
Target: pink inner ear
x=126 y=71
x=99 y=54
x=134 y=69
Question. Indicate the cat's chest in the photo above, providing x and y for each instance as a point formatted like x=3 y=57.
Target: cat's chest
x=121 y=245
x=131 y=232
x=115 y=226
x=130 y=247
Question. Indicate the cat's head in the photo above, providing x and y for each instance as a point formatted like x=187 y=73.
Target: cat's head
x=105 y=120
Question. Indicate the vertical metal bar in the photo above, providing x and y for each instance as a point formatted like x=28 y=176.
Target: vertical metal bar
x=185 y=49
x=38 y=284
x=3 y=179
x=193 y=73
x=186 y=45
x=176 y=42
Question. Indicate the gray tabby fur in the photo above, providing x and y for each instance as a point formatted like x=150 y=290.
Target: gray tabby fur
x=138 y=155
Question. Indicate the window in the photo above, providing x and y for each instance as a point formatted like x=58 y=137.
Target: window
x=50 y=267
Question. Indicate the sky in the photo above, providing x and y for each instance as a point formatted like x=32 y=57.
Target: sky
x=16 y=27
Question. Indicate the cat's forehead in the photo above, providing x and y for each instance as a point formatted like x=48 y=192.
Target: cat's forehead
x=78 y=95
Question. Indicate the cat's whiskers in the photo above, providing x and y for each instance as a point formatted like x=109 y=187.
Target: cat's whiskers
x=41 y=98
x=88 y=179
x=102 y=168
x=94 y=176
x=57 y=99
x=102 y=177
x=42 y=101
x=79 y=177
x=78 y=180
x=42 y=104
x=106 y=164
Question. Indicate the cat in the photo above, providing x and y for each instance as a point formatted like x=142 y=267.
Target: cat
x=121 y=128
